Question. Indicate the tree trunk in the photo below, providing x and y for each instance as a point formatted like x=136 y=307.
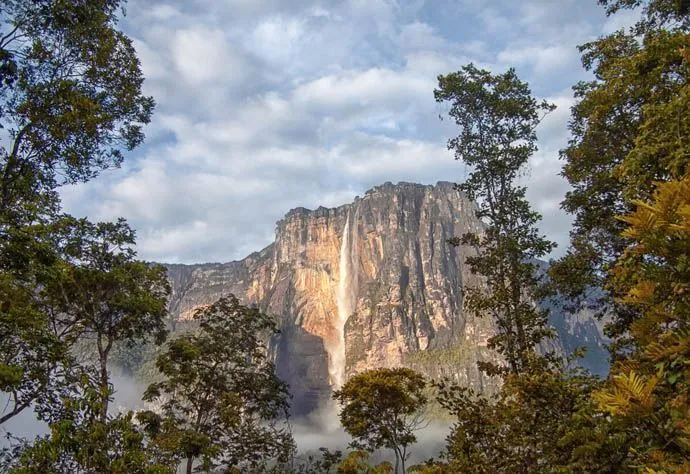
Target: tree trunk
x=15 y=411
x=517 y=299
x=104 y=390
x=103 y=353
x=189 y=465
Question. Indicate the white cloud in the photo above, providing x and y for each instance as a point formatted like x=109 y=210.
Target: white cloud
x=276 y=39
x=621 y=21
x=163 y=12
x=494 y=22
x=269 y=104
x=151 y=63
x=202 y=56
x=356 y=90
x=419 y=35
x=543 y=59
x=376 y=9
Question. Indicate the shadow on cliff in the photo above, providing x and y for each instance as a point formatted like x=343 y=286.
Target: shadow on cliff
x=302 y=362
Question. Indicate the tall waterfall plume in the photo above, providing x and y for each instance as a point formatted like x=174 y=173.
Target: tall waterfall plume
x=346 y=300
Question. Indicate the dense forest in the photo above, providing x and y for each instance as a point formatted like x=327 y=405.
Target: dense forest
x=72 y=291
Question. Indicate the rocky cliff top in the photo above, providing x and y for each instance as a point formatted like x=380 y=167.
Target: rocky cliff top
x=387 y=188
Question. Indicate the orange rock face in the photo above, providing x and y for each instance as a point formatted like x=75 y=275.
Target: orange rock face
x=385 y=261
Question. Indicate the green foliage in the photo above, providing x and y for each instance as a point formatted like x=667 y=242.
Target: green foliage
x=497 y=118
x=629 y=157
x=629 y=129
x=220 y=396
x=70 y=94
x=543 y=419
x=105 y=294
x=383 y=408
x=70 y=102
x=326 y=463
x=88 y=286
x=116 y=447
x=656 y=13
x=330 y=462
x=35 y=364
x=82 y=442
x=648 y=392
x=357 y=463
x=539 y=422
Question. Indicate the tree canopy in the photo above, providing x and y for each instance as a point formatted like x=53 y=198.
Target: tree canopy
x=221 y=399
x=70 y=94
x=629 y=129
x=71 y=105
x=497 y=117
x=382 y=408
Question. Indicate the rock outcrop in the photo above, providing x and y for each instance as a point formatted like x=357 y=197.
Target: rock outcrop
x=368 y=284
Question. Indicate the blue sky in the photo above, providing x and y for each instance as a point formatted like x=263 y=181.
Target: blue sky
x=265 y=105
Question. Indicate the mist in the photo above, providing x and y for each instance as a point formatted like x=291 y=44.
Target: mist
x=319 y=429
x=322 y=429
x=26 y=425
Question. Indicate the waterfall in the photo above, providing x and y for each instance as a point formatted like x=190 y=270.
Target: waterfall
x=346 y=300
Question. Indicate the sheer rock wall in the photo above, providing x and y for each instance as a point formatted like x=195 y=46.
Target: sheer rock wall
x=384 y=260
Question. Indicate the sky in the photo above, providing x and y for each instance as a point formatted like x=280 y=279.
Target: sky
x=266 y=105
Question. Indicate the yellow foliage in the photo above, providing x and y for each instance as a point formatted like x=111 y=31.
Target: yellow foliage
x=648 y=389
x=629 y=392
x=357 y=463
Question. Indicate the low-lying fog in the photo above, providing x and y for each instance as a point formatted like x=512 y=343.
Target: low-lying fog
x=322 y=429
x=319 y=429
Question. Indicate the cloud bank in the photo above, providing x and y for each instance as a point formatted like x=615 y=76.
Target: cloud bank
x=265 y=105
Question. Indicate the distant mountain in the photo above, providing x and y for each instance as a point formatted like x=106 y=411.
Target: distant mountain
x=369 y=284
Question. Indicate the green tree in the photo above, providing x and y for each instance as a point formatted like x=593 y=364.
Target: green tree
x=70 y=103
x=221 y=399
x=356 y=462
x=540 y=422
x=628 y=156
x=629 y=129
x=98 y=293
x=90 y=289
x=648 y=392
x=497 y=118
x=70 y=95
x=106 y=296
x=324 y=463
x=80 y=442
x=35 y=364
x=383 y=408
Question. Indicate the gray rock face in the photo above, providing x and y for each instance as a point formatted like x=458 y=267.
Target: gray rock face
x=368 y=284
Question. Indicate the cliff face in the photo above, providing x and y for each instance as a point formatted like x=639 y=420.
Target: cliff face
x=368 y=284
